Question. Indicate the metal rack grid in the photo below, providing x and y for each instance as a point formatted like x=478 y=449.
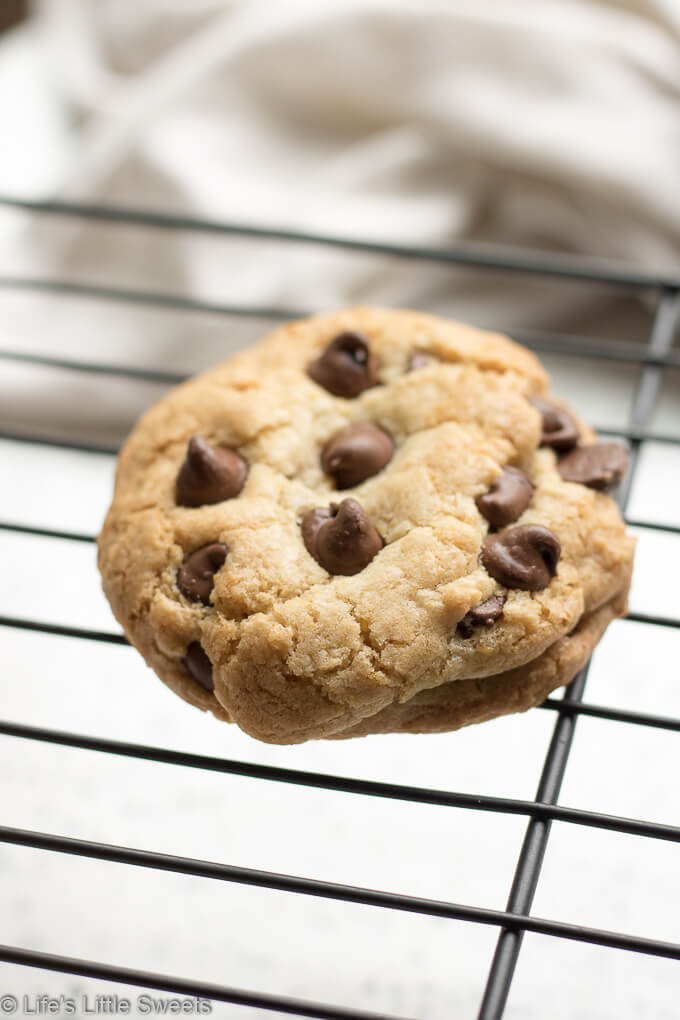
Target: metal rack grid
x=652 y=358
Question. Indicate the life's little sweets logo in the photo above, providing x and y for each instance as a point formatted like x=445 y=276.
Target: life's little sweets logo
x=97 y=1005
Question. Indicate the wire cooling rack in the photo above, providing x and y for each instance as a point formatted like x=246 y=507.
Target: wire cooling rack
x=653 y=359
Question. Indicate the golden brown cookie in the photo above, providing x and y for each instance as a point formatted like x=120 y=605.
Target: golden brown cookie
x=366 y=511
x=462 y=702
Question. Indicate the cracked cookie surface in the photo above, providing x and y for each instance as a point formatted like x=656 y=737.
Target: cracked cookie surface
x=333 y=633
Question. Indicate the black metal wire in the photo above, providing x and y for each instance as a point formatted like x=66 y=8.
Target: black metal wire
x=658 y=621
x=490 y=257
x=653 y=358
x=535 y=842
x=94 y=367
x=182 y=986
x=40 y=532
x=343 y=784
x=672 y=529
x=540 y=341
x=530 y=861
x=59 y=444
x=62 y=630
x=545 y=342
x=157 y=299
x=334 y=891
x=614 y=714
x=649 y=385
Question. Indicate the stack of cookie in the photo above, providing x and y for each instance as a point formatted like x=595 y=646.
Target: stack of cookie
x=373 y=521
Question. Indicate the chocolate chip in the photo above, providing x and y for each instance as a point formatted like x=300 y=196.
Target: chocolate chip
x=507 y=499
x=209 y=474
x=599 y=466
x=346 y=367
x=522 y=557
x=356 y=453
x=483 y=615
x=196 y=576
x=419 y=359
x=311 y=522
x=199 y=666
x=341 y=538
x=559 y=428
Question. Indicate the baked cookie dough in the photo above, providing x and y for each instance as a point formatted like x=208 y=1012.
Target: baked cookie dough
x=372 y=521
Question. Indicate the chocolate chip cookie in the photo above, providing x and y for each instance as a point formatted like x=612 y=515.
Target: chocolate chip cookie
x=372 y=521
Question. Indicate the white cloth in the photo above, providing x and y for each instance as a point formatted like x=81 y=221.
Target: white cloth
x=549 y=125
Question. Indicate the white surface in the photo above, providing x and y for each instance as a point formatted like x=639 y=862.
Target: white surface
x=547 y=125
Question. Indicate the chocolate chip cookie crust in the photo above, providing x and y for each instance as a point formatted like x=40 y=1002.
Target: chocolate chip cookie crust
x=371 y=521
